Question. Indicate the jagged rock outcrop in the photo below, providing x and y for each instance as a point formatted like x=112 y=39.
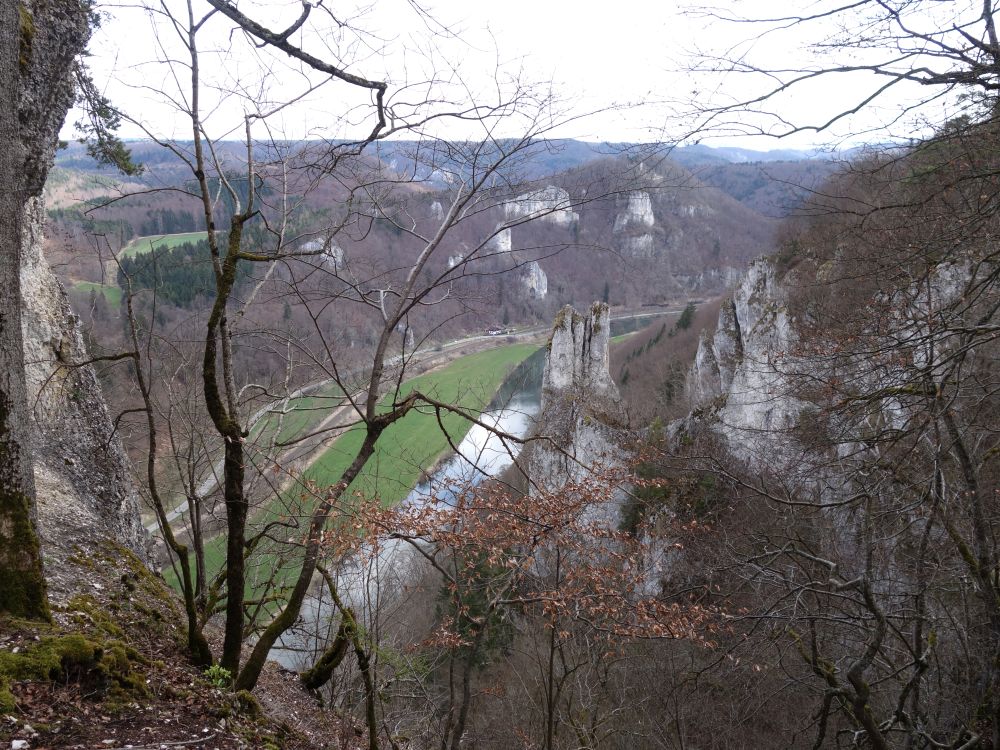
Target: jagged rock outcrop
x=578 y=361
x=634 y=220
x=582 y=416
x=550 y=204
x=536 y=283
x=637 y=212
x=740 y=377
x=747 y=375
x=83 y=478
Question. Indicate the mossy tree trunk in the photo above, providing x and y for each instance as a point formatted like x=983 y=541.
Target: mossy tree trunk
x=38 y=44
x=22 y=585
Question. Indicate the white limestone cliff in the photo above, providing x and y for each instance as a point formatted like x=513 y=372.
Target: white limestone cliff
x=501 y=242
x=85 y=490
x=550 y=204
x=582 y=416
x=747 y=375
x=637 y=213
x=536 y=283
x=329 y=254
x=741 y=376
x=334 y=257
x=578 y=355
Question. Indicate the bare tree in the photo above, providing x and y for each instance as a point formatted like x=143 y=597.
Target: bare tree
x=866 y=67
x=278 y=245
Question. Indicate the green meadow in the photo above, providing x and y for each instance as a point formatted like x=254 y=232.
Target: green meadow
x=141 y=245
x=405 y=450
x=111 y=293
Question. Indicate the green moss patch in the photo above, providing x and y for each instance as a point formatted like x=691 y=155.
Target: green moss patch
x=105 y=667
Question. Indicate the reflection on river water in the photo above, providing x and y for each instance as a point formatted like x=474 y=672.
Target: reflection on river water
x=484 y=453
x=481 y=454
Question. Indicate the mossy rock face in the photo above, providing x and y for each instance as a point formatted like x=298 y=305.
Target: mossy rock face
x=22 y=585
x=86 y=612
x=107 y=667
x=27 y=34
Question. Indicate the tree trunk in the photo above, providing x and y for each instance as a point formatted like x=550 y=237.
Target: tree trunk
x=22 y=585
x=78 y=461
x=39 y=43
x=320 y=673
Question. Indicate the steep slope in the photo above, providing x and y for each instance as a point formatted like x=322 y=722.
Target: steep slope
x=83 y=491
x=842 y=444
x=86 y=493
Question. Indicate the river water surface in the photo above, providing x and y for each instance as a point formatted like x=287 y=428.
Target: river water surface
x=481 y=454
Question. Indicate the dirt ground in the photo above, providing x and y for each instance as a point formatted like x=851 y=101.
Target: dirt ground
x=117 y=676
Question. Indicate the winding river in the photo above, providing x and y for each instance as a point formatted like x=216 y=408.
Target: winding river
x=481 y=454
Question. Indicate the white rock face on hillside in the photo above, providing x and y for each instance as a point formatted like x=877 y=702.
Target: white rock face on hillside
x=334 y=257
x=637 y=213
x=83 y=478
x=437 y=210
x=578 y=354
x=329 y=254
x=501 y=242
x=746 y=375
x=550 y=204
x=582 y=413
x=742 y=373
x=536 y=283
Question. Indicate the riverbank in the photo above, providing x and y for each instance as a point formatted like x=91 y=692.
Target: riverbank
x=406 y=451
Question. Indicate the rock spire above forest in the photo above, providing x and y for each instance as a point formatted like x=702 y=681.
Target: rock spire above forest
x=582 y=415
x=578 y=357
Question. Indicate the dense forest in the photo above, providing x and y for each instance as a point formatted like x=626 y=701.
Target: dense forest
x=180 y=274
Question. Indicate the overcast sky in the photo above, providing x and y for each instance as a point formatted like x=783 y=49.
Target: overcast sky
x=629 y=58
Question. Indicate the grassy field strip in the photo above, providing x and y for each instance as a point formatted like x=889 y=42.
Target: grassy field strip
x=416 y=442
x=622 y=337
x=301 y=414
x=141 y=245
x=406 y=448
x=112 y=294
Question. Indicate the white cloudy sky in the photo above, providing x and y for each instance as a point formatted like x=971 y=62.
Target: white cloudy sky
x=628 y=58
